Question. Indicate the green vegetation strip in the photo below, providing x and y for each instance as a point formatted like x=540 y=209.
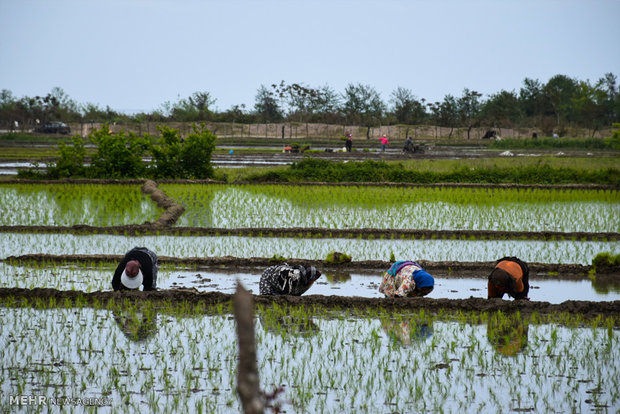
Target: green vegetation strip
x=310 y=233
x=373 y=171
x=46 y=298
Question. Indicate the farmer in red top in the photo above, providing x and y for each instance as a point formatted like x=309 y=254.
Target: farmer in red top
x=511 y=276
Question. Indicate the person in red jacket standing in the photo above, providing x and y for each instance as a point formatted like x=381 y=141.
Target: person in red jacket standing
x=510 y=275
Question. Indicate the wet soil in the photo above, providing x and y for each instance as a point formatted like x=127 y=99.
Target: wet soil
x=585 y=308
x=234 y=265
x=162 y=227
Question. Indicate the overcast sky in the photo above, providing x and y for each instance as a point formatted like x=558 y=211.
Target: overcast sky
x=134 y=55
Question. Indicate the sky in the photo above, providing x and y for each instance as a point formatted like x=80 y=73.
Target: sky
x=136 y=55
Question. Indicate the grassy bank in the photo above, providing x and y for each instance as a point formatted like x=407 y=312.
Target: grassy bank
x=313 y=170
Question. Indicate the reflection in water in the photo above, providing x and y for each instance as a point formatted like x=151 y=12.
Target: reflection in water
x=338 y=277
x=136 y=325
x=606 y=283
x=288 y=325
x=405 y=333
x=508 y=335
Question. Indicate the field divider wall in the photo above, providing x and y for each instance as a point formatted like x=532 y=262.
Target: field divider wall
x=159 y=228
x=30 y=297
x=365 y=266
x=317 y=183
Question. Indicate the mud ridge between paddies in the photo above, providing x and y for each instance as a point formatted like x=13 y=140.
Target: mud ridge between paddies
x=230 y=264
x=29 y=297
x=140 y=181
x=314 y=232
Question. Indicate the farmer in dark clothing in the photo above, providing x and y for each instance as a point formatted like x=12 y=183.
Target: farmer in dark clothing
x=285 y=279
x=349 y=142
x=138 y=267
x=510 y=275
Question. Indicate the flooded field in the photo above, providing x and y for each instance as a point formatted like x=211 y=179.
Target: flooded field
x=341 y=347
x=448 y=285
x=140 y=358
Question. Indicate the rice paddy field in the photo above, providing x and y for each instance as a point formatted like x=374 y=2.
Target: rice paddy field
x=67 y=352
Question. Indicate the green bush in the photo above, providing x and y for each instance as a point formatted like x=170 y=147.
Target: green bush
x=118 y=155
x=196 y=153
x=71 y=161
x=605 y=260
x=167 y=155
x=337 y=258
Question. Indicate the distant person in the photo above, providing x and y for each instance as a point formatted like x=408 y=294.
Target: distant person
x=384 y=142
x=409 y=147
x=510 y=275
x=406 y=278
x=349 y=142
x=285 y=279
x=138 y=268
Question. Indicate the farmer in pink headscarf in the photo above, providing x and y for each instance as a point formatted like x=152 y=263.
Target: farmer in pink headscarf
x=384 y=142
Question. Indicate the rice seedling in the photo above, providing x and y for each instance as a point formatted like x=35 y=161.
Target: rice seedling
x=70 y=204
x=559 y=251
x=342 y=207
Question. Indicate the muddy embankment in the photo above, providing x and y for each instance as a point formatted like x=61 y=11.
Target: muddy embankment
x=231 y=264
x=585 y=308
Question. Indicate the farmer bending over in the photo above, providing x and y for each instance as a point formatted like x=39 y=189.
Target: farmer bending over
x=138 y=267
x=406 y=278
x=285 y=279
x=511 y=276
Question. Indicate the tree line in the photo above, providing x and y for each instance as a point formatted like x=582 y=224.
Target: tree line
x=552 y=107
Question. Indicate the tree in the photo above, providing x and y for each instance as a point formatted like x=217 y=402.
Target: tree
x=406 y=107
x=447 y=113
x=194 y=108
x=589 y=106
x=266 y=105
x=362 y=104
x=468 y=109
x=560 y=90
x=501 y=109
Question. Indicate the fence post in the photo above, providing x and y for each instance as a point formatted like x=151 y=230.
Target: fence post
x=248 y=384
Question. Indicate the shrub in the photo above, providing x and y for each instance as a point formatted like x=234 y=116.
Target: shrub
x=337 y=258
x=71 y=161
x=605 y=260
x=195 y=156
x=118 y=155
x=167 y=155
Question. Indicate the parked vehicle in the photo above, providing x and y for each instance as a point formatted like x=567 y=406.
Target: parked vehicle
x=53 y=128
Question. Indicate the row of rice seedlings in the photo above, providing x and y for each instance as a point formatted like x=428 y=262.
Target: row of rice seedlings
x=70 y=204
x=322 y=195
x=396 y=207
x=338 y=361
x=559 y=251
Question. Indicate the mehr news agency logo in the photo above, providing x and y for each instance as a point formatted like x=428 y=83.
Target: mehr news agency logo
x=29 y=400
